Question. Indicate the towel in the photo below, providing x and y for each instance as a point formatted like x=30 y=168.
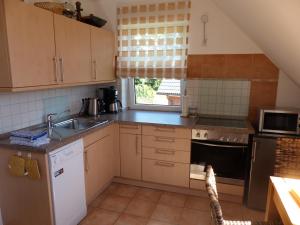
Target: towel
x=16 y=166
x=32 y=169
x=29 y=134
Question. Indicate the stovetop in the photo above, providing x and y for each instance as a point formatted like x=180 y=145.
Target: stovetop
x=222 y=122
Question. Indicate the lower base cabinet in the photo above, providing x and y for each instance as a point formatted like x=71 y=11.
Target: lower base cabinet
x=99 y=165
x=164 y=172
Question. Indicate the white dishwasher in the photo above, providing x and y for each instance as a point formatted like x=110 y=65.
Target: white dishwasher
x=68 y=186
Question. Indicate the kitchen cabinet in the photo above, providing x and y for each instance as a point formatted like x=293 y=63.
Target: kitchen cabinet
x=166 y=155
x=73 y=50
x=27 y=45
x=130 y=150
x=99 y=161
x=103 y=54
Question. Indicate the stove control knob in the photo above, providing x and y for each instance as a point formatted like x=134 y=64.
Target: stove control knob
x=198 y=134
x=228 y=139
x=205 y=135
x=235 y=139
x=221 y=138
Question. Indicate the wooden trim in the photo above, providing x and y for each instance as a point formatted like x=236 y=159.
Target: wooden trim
x=22 y=89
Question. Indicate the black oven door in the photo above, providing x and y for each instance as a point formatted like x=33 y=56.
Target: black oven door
x=227 y=159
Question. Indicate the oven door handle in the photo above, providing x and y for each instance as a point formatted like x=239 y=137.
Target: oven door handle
x=216 y=145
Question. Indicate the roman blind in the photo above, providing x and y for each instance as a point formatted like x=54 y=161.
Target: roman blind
x=153 y=39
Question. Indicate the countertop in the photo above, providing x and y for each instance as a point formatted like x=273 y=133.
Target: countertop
x=129 y=116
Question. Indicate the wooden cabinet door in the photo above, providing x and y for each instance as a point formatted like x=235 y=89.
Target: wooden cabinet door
x=103 y=54
x=99 y=166
x=73 y=50
x=30 y=36
x=131 y=156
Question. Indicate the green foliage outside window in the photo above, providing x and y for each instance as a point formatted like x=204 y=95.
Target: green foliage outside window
x=145 y=89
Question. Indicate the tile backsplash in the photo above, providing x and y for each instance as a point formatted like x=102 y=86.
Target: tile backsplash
x=219 y=97
x=19 y=110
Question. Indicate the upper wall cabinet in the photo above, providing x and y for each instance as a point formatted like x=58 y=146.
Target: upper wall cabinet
x=27 y=45
x=73 y=50
x=103 y=53
x=39 y=49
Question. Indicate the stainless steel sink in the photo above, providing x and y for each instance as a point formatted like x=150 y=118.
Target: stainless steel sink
x=72 y=126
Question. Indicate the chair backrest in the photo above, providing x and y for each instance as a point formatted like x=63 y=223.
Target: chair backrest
x=210 y=182
x=216 y=211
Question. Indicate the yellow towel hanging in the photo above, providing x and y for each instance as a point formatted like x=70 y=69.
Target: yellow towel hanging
x=32 y=169
x=16 y=166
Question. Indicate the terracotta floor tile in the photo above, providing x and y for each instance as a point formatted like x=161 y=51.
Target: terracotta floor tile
x=173 y=199
x=98 y=200
x=232 y=211
x=148 y=194
x=115 y=203
x=141 y=208
x=100 y=217
x=156 y=222
x=126 y=219
x=194 y=217
x=124 y=190
x=199 y=203
x=169 y=214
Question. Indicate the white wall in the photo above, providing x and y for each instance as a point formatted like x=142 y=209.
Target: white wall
x=288 y=93
x=224 y=36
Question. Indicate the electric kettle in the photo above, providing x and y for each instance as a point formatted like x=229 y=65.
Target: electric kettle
x=94 y=106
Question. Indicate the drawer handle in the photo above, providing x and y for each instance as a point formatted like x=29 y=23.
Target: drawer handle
x=164 y=139
x=164 y=151
x=164 y=164
x=129 y=127
x=164 y=129
x=86 y=162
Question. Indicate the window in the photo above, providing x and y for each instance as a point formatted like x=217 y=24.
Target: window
x=151 y=93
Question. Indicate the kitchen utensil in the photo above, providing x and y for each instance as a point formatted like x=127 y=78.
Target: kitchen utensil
x=55 y=7
x=115 y=106
x=93 y=20
x=84 y=111
x=94 y=107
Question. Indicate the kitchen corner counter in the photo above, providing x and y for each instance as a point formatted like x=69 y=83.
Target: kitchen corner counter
x=129 y=116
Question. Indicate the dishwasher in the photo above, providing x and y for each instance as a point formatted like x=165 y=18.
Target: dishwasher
x=68 y=185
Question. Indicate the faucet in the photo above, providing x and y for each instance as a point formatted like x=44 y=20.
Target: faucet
x=50 y=123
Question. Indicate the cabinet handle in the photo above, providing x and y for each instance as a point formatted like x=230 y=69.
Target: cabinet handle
x=132 y=127
x=61 y=64
x=55 y=68
x=164 y=151
x=165 y=129
x=86 y=162
x=164 y=164
x=165 y=139
x=95 y=69
x=136 y=144
x=254 y=151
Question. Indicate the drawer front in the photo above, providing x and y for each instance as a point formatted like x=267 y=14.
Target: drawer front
x=166 y=155
x=97 y=135
x=222 y=188
x=130 y=128
x=167 y=143
x=167 y=131
x=163 y=172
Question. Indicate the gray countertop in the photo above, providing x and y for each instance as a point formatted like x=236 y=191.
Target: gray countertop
x=129 y=116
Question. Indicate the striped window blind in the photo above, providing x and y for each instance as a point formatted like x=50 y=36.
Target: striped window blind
x=153 y=40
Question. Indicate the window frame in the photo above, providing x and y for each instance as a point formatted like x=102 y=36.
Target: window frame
x=133 y=105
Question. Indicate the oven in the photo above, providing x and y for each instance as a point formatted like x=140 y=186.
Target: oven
x=227 y=153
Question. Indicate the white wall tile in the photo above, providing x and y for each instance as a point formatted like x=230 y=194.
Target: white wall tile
x=221 y=97
x=19 y=110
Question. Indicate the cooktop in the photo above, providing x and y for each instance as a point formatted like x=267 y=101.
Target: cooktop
x=222 y=122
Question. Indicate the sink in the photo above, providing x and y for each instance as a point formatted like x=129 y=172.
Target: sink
x=79 y=123
x=70 y=127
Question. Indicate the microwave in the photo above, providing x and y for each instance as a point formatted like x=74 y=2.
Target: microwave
x=279 y=121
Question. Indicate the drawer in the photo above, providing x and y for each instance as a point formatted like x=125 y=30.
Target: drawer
x=130 y=128
x=167 y=131
x=222 y=188
x=97 y=135
x=167 y=143
x=164 y=172
x=166 y=155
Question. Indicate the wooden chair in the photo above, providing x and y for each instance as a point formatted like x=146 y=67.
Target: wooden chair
x=215 y=207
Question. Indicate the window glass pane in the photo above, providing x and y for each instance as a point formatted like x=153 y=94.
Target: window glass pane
x=157 y=91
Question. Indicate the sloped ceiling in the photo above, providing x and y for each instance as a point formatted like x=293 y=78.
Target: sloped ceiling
x=274 y=25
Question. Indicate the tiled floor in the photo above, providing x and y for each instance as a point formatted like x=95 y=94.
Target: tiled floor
x=123 y=204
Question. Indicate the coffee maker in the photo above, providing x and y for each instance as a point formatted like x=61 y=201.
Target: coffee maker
x=109 y=98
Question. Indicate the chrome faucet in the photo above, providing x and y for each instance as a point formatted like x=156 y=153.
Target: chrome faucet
x=50 y=123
